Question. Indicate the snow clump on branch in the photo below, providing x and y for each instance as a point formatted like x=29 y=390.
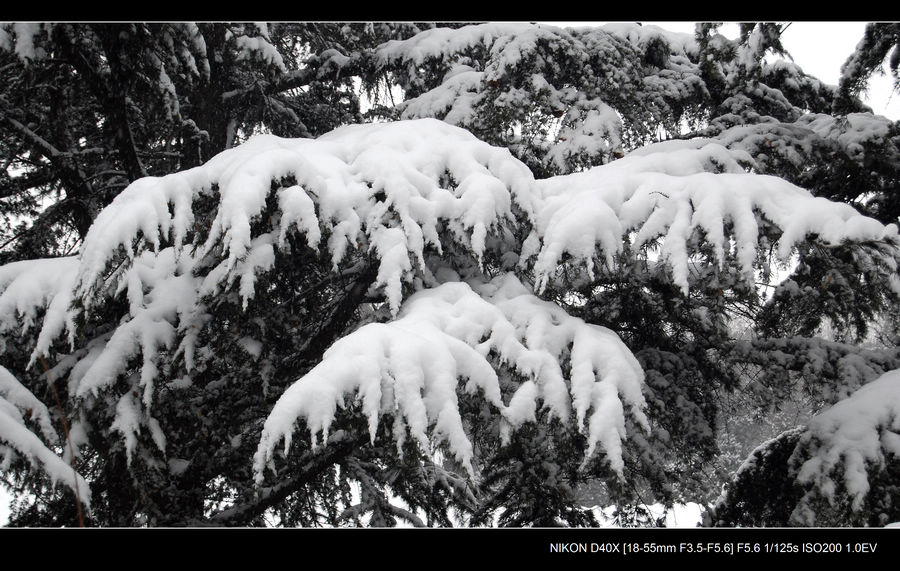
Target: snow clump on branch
x=411 y=366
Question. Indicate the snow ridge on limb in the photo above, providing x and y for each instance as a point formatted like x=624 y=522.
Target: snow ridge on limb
x=852 y=134
x=16 y=399
x=671 y=191
x=151 y=325
x=411 y=368
x=810 y=149
x=357 y=185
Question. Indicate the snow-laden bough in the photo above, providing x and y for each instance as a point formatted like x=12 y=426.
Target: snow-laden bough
x=670 y=192
x=451 y=339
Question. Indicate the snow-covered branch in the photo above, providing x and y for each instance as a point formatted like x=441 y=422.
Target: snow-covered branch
x=412 y=368
x=674 y=190
x=15 y=400
x=846 y=446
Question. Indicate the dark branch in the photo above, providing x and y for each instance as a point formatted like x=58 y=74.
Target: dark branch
x=314 y=463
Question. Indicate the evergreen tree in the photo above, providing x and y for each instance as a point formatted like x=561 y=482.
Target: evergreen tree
x=540 y=261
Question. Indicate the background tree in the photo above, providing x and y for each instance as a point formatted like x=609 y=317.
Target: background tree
x=561 y=287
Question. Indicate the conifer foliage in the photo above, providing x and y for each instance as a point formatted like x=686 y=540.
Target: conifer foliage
x=436 y=275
